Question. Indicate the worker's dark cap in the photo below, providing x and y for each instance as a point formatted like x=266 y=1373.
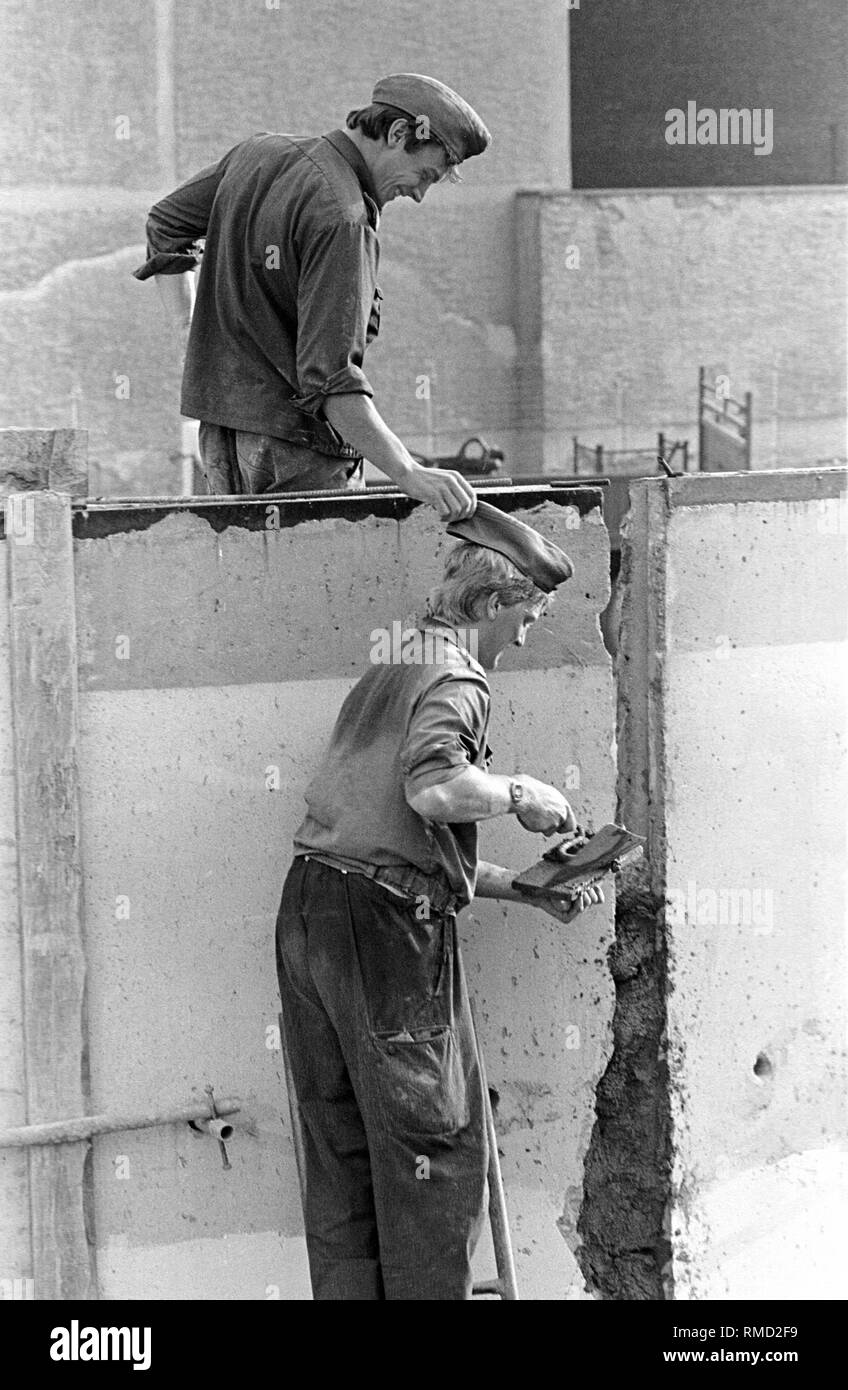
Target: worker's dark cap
x=540 y=560
x=450 y=119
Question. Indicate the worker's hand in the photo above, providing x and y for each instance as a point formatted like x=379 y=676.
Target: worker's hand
x=452 y=495
x=544 y=809
x=566 y=909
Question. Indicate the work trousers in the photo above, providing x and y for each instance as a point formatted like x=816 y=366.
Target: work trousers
x=238 y=461
x=381 y=1045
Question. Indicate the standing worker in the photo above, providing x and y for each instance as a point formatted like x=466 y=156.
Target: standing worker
x=287 y=298
x=375 y=1009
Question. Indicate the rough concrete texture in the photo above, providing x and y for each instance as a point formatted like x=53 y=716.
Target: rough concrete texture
x=15 y=1246
x=303 y=68
x=746 y=282
x=31 y=460
x=195 y=633
x=42 y=226
x=625 y=1248
x=740 y=706
x=185 y=849
x=77 y=103
x=86 y=345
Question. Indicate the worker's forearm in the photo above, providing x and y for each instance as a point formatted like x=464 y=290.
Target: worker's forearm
x=496 y=882
x=473 y=795
x=177 y=295
x=360 y=423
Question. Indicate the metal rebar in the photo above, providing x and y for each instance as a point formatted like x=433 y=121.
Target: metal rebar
x=506 y=1284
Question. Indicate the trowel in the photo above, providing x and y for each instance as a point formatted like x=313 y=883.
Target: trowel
x=578 y=861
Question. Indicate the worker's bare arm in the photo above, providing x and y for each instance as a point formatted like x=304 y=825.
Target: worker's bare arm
x=473 y=795
x=360 y=423
x=177 y=295
x=493 y=881
x=175 y=291
x=477 y=795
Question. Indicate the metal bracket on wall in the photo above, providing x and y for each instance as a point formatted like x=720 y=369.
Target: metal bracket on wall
x=216 y=1126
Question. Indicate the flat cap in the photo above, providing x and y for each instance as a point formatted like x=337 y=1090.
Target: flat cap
x=451 y=120
x=539 y=559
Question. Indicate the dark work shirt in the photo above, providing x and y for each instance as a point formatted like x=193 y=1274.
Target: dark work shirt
x=287 y=295
x=402 y=728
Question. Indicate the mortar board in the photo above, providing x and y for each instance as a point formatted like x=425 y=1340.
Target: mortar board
x=537 y=558
x=452 y=121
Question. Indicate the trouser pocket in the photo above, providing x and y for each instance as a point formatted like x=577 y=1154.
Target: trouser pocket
x=405 y=963
x=420 y=1079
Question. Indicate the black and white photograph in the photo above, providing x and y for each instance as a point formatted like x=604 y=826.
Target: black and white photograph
x=423 y=682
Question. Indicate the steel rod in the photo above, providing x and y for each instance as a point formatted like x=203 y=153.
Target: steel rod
x=102 y=504
x=505 y=1284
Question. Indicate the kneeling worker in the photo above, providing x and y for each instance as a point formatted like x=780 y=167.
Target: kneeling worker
x=375 y=1007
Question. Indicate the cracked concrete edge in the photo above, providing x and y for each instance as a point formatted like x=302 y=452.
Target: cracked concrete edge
x=625 y=1250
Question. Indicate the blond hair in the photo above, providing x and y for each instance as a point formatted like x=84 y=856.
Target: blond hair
x=472 y=574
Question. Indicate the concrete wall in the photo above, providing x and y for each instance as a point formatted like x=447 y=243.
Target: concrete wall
x=732 y=724
x=673 y=1113
x=112 y=105
x=15 y=1238
x=212 y=649
x=625 y=295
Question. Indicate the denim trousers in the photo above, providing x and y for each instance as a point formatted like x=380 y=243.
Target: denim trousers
x=237 y=461
x=381 y=1044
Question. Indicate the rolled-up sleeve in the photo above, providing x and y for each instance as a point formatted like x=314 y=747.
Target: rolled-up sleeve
x=178 y=221
x=446 y=732
x=336 y=293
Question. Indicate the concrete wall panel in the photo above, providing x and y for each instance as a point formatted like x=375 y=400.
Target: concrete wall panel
x=755 y=743
x=737 y=587
x=207 y=579
x=15 y=1246
x=242 y=645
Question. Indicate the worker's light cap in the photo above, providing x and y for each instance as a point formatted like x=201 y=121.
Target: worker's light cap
x=537 y=558
x=451 y=120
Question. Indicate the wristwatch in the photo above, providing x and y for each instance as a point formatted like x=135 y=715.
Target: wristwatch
x=517 y=793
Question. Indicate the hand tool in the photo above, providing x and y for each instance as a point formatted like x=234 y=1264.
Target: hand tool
x=578 y=861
